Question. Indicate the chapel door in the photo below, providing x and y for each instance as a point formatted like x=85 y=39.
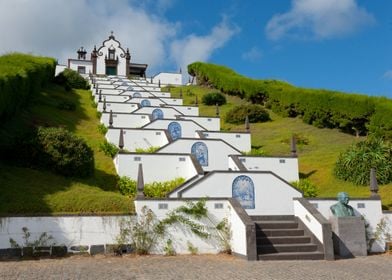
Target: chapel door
x=110 y=70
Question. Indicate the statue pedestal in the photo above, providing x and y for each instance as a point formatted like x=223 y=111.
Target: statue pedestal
x=349 y=238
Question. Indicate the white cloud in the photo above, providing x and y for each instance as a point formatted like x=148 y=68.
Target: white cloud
x=319 y=19
x=254 y=54
x=387 y=75
x=200 y=48
x=58 y=28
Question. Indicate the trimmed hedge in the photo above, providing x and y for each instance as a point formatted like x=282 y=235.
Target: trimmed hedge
x=352 y=113
x=71 y=79
x=255 y=113
x=21 y=77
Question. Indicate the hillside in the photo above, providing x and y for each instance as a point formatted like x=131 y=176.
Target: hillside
x=316 y=160
x=28 y=191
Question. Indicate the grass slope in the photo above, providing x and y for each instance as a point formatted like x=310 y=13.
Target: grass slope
x=28 y=191
x=316 y=160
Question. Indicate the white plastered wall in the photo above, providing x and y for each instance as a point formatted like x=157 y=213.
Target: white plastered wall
x=208 y=123
x=118 y=107
x=175 y=166
x=168 y=78
x=272 y=195
x=240 y=141
x=125 y=120
x=285 y=167
x=137 y=138
x=68 y=231
x=218 y=152
x=121 y=66
x=168 y=113
x=186 y=110
x=73 y=64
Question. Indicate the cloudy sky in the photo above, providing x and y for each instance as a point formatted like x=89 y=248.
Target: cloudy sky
x=335 y=44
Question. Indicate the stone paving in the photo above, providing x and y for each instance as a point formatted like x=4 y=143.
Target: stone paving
x=195 y=267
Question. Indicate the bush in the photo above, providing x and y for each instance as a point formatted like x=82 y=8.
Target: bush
x=161 y=189
x=71 y=79
x=64 y=152
x=214 y=98
x=151 y=149
x=108 y=149
x=307 y=187
x=102 y=129
x=355 y=163
x=127 y=186
x=256 y=113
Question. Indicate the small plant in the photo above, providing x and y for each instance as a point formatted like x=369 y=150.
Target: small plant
x=44 y=240
x=108 y=149
x=99 y=114
x=127 y=186
x=143 y=234
x=192 y=249
x=169 y=249
x=255 y=152
x=307 y=187
x=151 y=150
x=225 y=234
x=102 y=129
x=299 y=138
x=71 y=79
x=214 y=98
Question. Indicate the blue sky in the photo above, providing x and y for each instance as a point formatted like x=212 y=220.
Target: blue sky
x=333 y=44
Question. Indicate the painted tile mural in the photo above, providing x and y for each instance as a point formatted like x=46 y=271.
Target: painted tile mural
x=175 y=130
x=145 y=103
x=157 y=114
x=200 y=150
x=244 y=191
x=137 y=94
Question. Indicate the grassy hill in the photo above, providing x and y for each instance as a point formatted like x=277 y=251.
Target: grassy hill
x=29 y=191
x=316 y=160
x=34 y=192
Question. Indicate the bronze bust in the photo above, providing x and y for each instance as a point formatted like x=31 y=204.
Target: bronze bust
x=342 y=209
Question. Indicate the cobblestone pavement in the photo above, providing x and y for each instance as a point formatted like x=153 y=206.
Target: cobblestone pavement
x=195 y=267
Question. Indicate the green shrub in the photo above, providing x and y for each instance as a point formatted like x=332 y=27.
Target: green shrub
x=71 y=79
x=127 y=186
x=214 y=98
x=355 y=163
x=151 y=149
x=307 y=187
x=160 y=189
x=102 y=129
x=108 y=149
x=256 y=113
x=64 y=152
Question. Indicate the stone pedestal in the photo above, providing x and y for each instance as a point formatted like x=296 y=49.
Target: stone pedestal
x=349 y=236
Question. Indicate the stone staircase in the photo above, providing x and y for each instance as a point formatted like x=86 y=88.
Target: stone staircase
x=284 y=238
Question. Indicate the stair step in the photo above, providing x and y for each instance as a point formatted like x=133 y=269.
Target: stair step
x=283 y=240
x=273 y=218
x=283 y=248
x=292 y=256
x=279 y=232
x=276 y=224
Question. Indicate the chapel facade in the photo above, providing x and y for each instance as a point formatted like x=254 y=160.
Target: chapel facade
x=109 y=59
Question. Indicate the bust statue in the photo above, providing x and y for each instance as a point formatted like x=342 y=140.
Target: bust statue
x=342 y=209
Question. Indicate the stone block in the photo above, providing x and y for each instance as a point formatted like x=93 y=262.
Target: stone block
x=59 y=251
x=10 y=253
x=349 y=238
x=97 y=249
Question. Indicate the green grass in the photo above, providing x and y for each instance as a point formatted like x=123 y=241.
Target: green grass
x=28 y=191
x=316 y=160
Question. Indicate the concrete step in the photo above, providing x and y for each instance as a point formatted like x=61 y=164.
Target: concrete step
x=285 y=248
x=291 y=256
x=282 y=240
x=279 y=232
x=276 y=225
x=273 y=218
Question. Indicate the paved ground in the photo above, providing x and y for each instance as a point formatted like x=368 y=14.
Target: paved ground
x=195 y=267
